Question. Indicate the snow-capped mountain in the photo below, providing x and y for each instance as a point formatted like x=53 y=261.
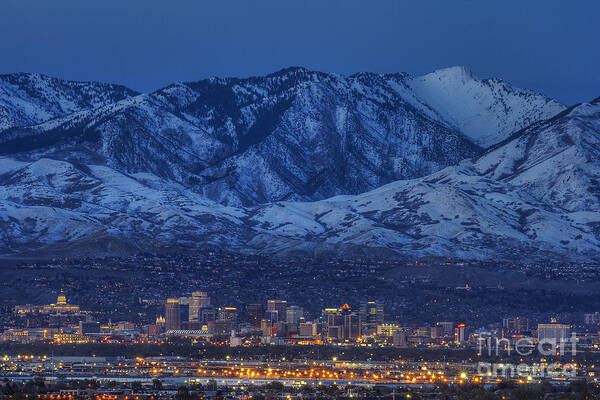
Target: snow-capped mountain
x=201 y=163
x=537 y=193
x=486 y=111
x=292 y=135
x=30 y=99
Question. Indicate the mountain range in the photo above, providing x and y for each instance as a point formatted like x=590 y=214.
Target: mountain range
x=300 y=161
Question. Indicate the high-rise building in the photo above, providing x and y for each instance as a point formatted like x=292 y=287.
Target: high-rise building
x=334 y=322
x=342 y=323
x=448 y=327
x=229 y=314
x=460 y=334
x=293 y=314
x=306 y=329
x=207 y=314
x=335 y=332
x=172 y=315
x=436 y=332
x=198 y=301
x=515 y=325
x=279 y=306
x=352 y=326
x=272 y=316
x=371 y=315
x=256 y=313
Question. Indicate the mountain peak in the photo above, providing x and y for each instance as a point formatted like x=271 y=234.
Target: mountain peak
x=486 y=111
x=289 y=70
x=457 y=72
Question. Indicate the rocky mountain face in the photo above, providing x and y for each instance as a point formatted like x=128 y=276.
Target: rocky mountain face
x=252 y=164
x=293 y=135
x=30 y=99
x=486 y=111
x=537 y=193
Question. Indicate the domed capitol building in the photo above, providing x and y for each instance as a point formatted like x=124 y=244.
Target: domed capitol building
x=60 y=307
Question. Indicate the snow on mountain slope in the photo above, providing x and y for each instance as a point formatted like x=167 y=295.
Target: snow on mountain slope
x=49 y=202
x=487 y=111
x=30 y=99
x=291 y=135
x=534 y=196
x=538 y=193
x=557 y=160
x=255 y=140
x=238 y=163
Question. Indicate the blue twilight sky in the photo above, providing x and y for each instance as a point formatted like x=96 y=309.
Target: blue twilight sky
x=551 y=46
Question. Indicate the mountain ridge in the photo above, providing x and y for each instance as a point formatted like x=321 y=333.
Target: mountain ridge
x=305 y=161
x=293 y=125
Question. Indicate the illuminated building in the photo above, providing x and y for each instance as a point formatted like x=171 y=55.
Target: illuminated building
x=60 y=307
x=557 y=332
x=387 y=329
x=190 y=333
x=16 y=335
x=436 y=332
x=226 y=319
x=424 y=331
x=256 y=312
x=341 y=322
x=371 y=314
x=448 y=327
x=86 y=327
x=515 y=325
x=306 y=329
x=154 y=330
x=172 y=315
x=352 y=326
x=197 y=302
x=229 y=314
x=279 y=307
x=207 y=314
x=460 y=334
x=68 y=338
x=293 y=314
x=335 y=332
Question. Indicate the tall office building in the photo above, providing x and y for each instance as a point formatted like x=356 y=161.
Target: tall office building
x=207 y=314
x=172 y=315
x=436 y=332
x=371 y=315
x=515 y=325
x=198 y=301
x=341 y=322
x=293 y=314
x=447 y=326
x=352 y=326
x=460 y=334
x=278 y=306
x=229 y=314
x=256 y=313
